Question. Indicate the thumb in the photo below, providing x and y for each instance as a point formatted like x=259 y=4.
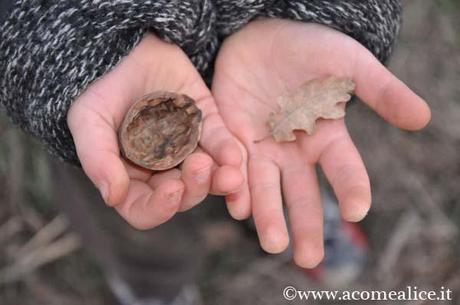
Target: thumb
x=387 y=95
x=97 y=148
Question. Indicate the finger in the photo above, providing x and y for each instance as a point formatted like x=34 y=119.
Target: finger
x=215 y=137
x=146 y=208
x=157 y=178
x=196 y=175
x=267 y=208
x=239 y=203
x=136 y=172
x=389 y=96
x=226 y=180
x=302 y=197
x=347 y=175
x=97 y=148
x=218 y=142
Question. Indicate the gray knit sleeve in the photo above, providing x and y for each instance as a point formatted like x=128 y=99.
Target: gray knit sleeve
x=51 y=50
x=374 y=23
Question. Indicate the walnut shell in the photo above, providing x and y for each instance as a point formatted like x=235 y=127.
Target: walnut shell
x=160 y=130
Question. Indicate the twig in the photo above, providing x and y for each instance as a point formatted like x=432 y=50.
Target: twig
x=423 y=201
x=407 y=226
x=31 y=218
x=39 y=257
x=9 y=229
x=427 y=207
x=48 y=233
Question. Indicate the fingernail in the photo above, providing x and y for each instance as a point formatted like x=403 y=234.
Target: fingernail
x=357 y=214
x=308 y=256
x=275 y=241
x=104 y=190
x=363 y=214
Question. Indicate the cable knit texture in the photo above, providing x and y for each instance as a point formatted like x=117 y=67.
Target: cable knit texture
x=51 y=50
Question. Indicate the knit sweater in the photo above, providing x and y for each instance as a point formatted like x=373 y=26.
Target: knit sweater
x=51 y=50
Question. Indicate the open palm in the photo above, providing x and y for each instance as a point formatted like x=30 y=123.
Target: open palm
x=268 y=58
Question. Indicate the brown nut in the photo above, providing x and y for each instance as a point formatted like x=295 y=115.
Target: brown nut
x=160 y=130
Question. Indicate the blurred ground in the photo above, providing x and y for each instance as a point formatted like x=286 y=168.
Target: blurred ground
x=412 y=228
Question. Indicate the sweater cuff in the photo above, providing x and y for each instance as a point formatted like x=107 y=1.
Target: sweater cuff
x=374 y=23
x=50 y=51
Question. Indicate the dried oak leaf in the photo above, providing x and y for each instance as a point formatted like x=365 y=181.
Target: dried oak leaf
x=160 y=130
x=315 y=99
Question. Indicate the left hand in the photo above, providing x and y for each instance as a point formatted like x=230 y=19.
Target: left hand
x=262 y=61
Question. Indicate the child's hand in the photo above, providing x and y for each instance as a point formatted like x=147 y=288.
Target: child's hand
x=263 y=61
x=143 y=198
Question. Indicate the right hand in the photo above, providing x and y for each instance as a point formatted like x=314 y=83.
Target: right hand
x=146 y=199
